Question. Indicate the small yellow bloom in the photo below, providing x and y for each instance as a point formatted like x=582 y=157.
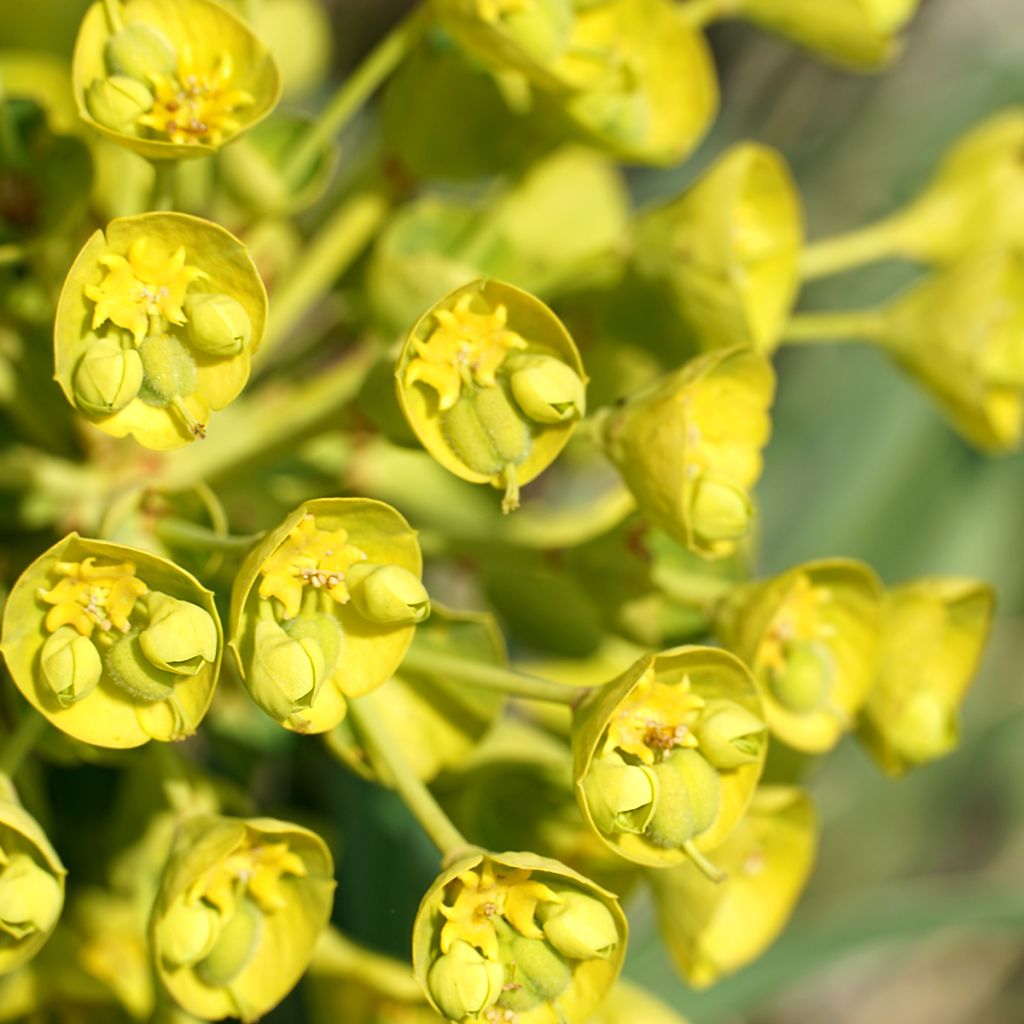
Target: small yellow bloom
x=198 y=104
x=90 y=595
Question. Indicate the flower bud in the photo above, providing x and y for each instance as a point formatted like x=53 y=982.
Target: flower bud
x=580 y=927
x=107 y=378
x=218 y=324
x=70 y=664
x=181 y=637
x=140 y=51
x=388 y=594
x=729 y=735
x=286 y=674
x=463 y=983
x=187 y=932
x=689 y=799
x=719 y=511
x=547 y=390
x=934 y=632
x=621 y=796
x=117 y=102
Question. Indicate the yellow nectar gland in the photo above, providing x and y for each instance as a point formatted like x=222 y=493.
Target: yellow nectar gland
x=465 y=348
x=798 y=620
x=196 y=106
x=256 y=871
x=657 y=718
x=309 y=557
x=144 y=285
x=486 y=894
x=91 y=595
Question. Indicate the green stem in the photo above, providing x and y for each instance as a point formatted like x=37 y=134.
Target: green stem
x=387 y=752
x=114 y=19
x=869 y=244
x=162 y=197
x=330 y=253
x=490 y=677
x=181 y=533
x=19 y=744
x=823 y=328
x=692 y=589
x=354 y=92
x=701 y=12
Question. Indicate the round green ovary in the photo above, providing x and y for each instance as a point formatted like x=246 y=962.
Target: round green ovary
x=484 y=430
x=170 y=370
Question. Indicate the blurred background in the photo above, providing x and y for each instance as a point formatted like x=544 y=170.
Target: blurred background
x=916 y=909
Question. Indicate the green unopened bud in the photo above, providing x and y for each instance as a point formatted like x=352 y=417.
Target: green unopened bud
x=486 y=432
x=71 y=665
x=235 y=946
x=547 y=389
x=181 y=637
x=720 y=511
x=579 y=927
x=187 y=933
x=803 y=683
x=388 y=594
x=218 y=324
x=170 y=371
x=30 y=897
x=107 y=377
x=464 y=983
x=134 y=673
x=140 y=51
x=117 y=102
x=286 y=672
x=924 y=729
x=620 y=796
x=537 y=973
x=730 y=735
x=689 y=797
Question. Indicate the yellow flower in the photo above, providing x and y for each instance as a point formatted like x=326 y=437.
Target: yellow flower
x=465 y=347
x=198 y=104
x=309 y=557
x=90 y=595
x=145 y=285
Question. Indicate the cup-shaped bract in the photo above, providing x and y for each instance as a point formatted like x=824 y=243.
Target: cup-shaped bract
x=156 y=326
x=630 y=1004
x=667 y=756
x=517 y=937
x=859 y=34
x=31 y=883
x=437 y=722
x=651 y=88
x=934 y=632
x=113 y=645
x=175 y=79
x=961 y=334
x=240 y=908
x=713 y=930
x=729 y=249
x=811 y=637
x=689 y=447
x=492 y=385
x=315 y=609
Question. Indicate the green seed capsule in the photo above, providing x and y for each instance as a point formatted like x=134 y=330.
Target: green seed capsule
x=133 y=672
x=537 y=973
x=117 y=102
x=140 y=51
x=107 y=377
x=689 y=796
x=170 y=372
x=486 y=432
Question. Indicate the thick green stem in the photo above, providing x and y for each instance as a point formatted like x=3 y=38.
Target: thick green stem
x=181 y=533
x=386 y=752
x=823 y=328
x=19 y=744
x=164 y=172
x=879 y=241
x=490 y=677
x=354 y=92
x=330 y=253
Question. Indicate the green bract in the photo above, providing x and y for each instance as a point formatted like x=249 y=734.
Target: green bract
x=811 y=637
x=713 y=930
x=240 y=908
x=458 y=376
x=437 y=722
x=177 y=79
x=667 y=756
x=115 y=646
x=548 y=946
x=934 y=632
x=729 y=249
x=156 y=326
x=304 y=633
x=689 y=447
x=31 y=883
